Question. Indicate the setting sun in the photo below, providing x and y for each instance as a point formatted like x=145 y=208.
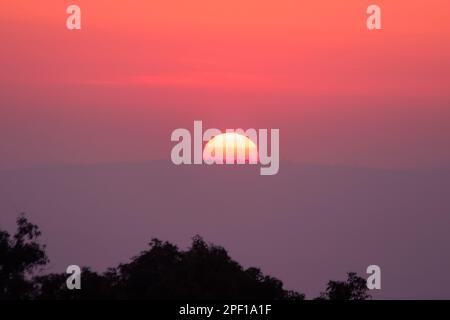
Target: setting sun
x=230 y=148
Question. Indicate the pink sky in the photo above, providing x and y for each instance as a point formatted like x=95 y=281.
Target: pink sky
x=339 y=93
x=137 y=70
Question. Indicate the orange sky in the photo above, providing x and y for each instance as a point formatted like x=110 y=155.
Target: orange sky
x=114 y=90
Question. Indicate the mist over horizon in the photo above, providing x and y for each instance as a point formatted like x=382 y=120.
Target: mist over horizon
x=355 y=217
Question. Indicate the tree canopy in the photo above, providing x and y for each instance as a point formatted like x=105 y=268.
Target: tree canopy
x=162 y=271
x=20 y=256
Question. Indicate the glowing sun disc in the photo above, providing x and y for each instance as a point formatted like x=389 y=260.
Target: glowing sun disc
x=230 y=147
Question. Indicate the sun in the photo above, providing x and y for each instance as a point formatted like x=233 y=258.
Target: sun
x=230 y=148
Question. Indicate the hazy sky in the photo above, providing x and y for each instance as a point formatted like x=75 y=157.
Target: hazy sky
x=114 y=90
x=339 y=93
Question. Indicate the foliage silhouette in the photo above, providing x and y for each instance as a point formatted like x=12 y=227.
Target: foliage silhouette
x=163 y=271
x=354 y=288
x=20 y=256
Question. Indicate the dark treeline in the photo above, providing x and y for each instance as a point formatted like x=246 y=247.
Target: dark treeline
x=163 y=271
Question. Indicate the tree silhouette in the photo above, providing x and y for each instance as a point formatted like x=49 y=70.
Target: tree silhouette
x=20 y=255
x=354 y=288
x=53 y=287
x=163 y=271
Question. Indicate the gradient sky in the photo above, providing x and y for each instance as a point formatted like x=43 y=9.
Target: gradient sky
x=344 y=98
x=115 y=90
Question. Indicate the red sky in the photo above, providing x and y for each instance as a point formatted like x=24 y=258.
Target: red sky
x=114 y=90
